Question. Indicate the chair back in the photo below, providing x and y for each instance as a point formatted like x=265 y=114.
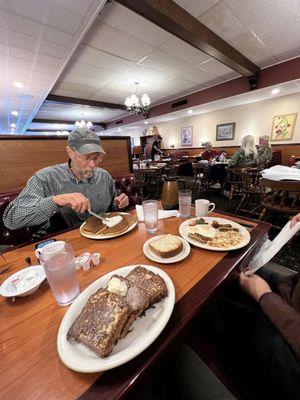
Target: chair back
x=281 y=196
x=250 y=179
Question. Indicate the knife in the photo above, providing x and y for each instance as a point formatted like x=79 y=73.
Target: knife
x=97 y=216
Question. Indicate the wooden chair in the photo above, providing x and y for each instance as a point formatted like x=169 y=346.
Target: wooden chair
x=250 y=183
x=234 y=181
x=279 y=196
x=201 y=179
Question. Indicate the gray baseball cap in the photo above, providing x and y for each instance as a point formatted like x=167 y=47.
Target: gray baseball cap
x=85 y=141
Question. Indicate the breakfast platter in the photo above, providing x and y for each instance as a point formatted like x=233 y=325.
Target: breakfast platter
x=166 y=249
x=118 y=223
x=211 y=233
x=134 y=327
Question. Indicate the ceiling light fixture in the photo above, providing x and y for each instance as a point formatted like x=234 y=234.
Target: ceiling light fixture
x=137 y=103
x=190 y=112
x=275 y=91
x=83 y=124
x=14 y=113
x=13 y=125
x=19 y=85
x=146 y=122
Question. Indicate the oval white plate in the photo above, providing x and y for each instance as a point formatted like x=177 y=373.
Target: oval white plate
x=9 y=290
x=145 y=330
x=183 y=230
x=183 y=254
x=93 y=236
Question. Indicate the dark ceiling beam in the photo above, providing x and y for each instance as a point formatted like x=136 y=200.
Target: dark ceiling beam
x=60 y=121
x=174 y=19
x=84 y=102
x=45 y=130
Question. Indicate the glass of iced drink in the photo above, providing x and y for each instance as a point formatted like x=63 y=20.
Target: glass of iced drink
x=185 y=202
x=150 y=209
x=59 y=264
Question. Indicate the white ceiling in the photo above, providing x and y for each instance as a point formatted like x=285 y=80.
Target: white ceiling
x=37 y=38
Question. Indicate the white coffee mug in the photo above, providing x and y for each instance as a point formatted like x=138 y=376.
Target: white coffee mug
x=204 y=207
x=50 y=249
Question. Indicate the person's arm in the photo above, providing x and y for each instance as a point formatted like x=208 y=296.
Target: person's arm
x=295 y=219
x=283 y=316
x=31 y=207
x=234 y=159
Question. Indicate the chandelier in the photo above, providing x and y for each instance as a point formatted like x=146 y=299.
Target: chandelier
x=83 y=124
x=137 y=103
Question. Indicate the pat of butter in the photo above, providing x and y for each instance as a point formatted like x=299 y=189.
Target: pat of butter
x=110 y=222
x=117 y=286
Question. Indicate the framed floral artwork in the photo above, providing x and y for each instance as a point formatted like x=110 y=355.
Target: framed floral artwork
x=187 y=136
x=225 y=131
x=283 y=126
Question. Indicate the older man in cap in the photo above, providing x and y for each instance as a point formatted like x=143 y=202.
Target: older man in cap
x=265 y=154
x=61 y=195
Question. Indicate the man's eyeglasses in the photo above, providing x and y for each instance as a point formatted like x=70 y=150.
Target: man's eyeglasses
x=88 y=158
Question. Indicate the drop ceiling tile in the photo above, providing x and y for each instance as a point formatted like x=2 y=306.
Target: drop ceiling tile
x=221 y=20
x=292 y=34
x=20 y=63
x=57 y=36
x=78 y=7
x=90 y=71
x=282 y=10
x=99 y=58
x=97 y=83
x=43 y=59
x=184 y=51
x=52 y=49
x=21 y=53
x=23 y=41
x=2 y=49
x=196 y=7
x=113 y=41
x=275 y=42
x=63 y=19
x=255 y=50
x=115 y=14
x=2 y=37
x=24 y=25
x=76 y=87
x=252 y=14
x=48 y=69
x=109 y=96
x=33 y=9
x=216 y=68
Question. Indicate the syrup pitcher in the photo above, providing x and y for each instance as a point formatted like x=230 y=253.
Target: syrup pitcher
x=170 y=189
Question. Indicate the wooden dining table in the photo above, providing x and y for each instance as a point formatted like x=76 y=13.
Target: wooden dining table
x=30 y=366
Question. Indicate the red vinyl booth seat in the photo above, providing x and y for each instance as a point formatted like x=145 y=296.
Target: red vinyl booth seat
x=125 y=184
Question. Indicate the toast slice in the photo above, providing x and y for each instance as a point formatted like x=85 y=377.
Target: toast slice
x=152 y=283
x=166 y=246
x=101 y=322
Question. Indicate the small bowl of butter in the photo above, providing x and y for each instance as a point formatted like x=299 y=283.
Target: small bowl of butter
x=24 y=282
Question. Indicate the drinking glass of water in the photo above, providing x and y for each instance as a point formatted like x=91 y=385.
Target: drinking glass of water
x=185 y=202
x=150 y=209
x=59 y=264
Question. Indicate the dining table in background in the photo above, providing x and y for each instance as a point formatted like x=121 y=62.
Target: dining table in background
x=31 y=368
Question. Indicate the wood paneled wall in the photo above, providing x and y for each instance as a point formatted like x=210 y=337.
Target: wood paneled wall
x=287 y=150
x=20 y=158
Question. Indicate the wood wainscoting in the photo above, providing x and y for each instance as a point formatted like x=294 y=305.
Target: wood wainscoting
x=21 y=157
x=287 y=150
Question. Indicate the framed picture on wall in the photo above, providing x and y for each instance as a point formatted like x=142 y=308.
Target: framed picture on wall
x=187 y=136
x=283 y=126
x=225 y=131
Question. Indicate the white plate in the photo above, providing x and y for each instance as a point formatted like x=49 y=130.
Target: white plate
x=183 y=230
x=93 y=236
x=145 y=330
x=9 y=290
x=183 y=254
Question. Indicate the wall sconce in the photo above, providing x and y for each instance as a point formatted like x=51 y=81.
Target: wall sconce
x=172 y=146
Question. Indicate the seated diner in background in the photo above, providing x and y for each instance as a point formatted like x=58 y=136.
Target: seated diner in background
x=208 y=153
x=246 y=156
x=264 y=151
x=60 y=196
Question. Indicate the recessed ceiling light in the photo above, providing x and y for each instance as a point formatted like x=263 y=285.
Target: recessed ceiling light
x=119 y=129
x=14 y=113
x=275 y=91
x=146 y=122
x=19 y=85
x=190 y=112
x=13 y=125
